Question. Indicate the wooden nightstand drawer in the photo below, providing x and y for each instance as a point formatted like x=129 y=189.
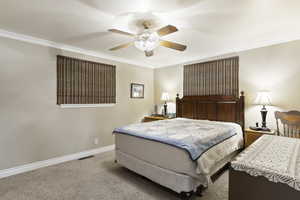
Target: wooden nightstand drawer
x=250 y=138
x=251 y=135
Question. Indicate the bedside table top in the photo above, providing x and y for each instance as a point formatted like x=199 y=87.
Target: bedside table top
x=272 y=132
x=158 y=117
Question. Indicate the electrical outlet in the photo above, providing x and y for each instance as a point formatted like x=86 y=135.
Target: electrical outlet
x=96 y=141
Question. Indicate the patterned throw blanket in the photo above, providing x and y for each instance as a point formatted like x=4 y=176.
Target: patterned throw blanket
x=194 y=136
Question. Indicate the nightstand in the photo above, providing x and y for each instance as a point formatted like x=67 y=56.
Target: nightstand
x=252 y=135
x=155 y=118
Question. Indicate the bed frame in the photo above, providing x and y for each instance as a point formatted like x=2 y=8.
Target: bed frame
x=216 y=108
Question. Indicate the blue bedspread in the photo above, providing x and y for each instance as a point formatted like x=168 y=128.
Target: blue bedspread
x=194 y=136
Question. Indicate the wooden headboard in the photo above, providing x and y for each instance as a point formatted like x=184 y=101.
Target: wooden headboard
x=217 y=108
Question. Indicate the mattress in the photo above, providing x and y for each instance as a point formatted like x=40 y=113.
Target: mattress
x=176 y=159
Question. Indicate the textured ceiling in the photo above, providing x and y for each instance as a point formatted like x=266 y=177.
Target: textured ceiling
x=207 y=27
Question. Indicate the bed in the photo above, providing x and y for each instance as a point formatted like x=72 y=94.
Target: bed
x=174 y=167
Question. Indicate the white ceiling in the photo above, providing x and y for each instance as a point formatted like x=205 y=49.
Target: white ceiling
x=207 y=27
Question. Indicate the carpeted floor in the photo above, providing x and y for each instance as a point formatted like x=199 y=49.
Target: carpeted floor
x=98 y=178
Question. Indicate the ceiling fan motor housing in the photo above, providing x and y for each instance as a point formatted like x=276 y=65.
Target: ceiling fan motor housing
x=147 y=40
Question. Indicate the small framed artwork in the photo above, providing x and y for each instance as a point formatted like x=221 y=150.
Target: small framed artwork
x=137 y=91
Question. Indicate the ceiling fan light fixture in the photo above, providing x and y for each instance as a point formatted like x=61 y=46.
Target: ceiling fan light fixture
x=147 y=41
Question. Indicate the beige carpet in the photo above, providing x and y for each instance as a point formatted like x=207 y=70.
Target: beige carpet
x=98 y=178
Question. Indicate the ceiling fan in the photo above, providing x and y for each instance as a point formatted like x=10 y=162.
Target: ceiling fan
x=148 y=39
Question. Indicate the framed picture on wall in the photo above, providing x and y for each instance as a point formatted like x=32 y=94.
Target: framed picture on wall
x=137 y=91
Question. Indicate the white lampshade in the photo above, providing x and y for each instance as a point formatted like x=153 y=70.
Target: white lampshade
x=263 y=98
x=165 y=96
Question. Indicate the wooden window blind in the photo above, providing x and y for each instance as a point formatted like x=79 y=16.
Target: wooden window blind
x=219 y=77
x=85 y=82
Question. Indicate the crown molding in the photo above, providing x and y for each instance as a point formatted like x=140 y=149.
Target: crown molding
x=231 y=52
x=65 y=47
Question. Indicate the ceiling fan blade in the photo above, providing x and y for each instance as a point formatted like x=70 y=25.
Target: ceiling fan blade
x=149 y=53
x=167 y=30
x=172 y=45
x=121 y=46
x=121 y=32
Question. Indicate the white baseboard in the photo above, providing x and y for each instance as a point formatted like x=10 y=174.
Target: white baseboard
x=53 y=161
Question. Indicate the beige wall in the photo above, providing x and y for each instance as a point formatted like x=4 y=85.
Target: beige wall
x=274 y=68
x=34 y=128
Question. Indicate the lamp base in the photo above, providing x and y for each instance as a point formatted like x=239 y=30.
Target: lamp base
x=165 y=109
x=264 y=116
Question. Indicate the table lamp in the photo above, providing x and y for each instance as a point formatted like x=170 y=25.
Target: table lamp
x=165 y=97
x=263 y=98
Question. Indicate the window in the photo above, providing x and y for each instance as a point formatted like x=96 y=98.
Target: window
x=85 y=82
x=219 y=77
